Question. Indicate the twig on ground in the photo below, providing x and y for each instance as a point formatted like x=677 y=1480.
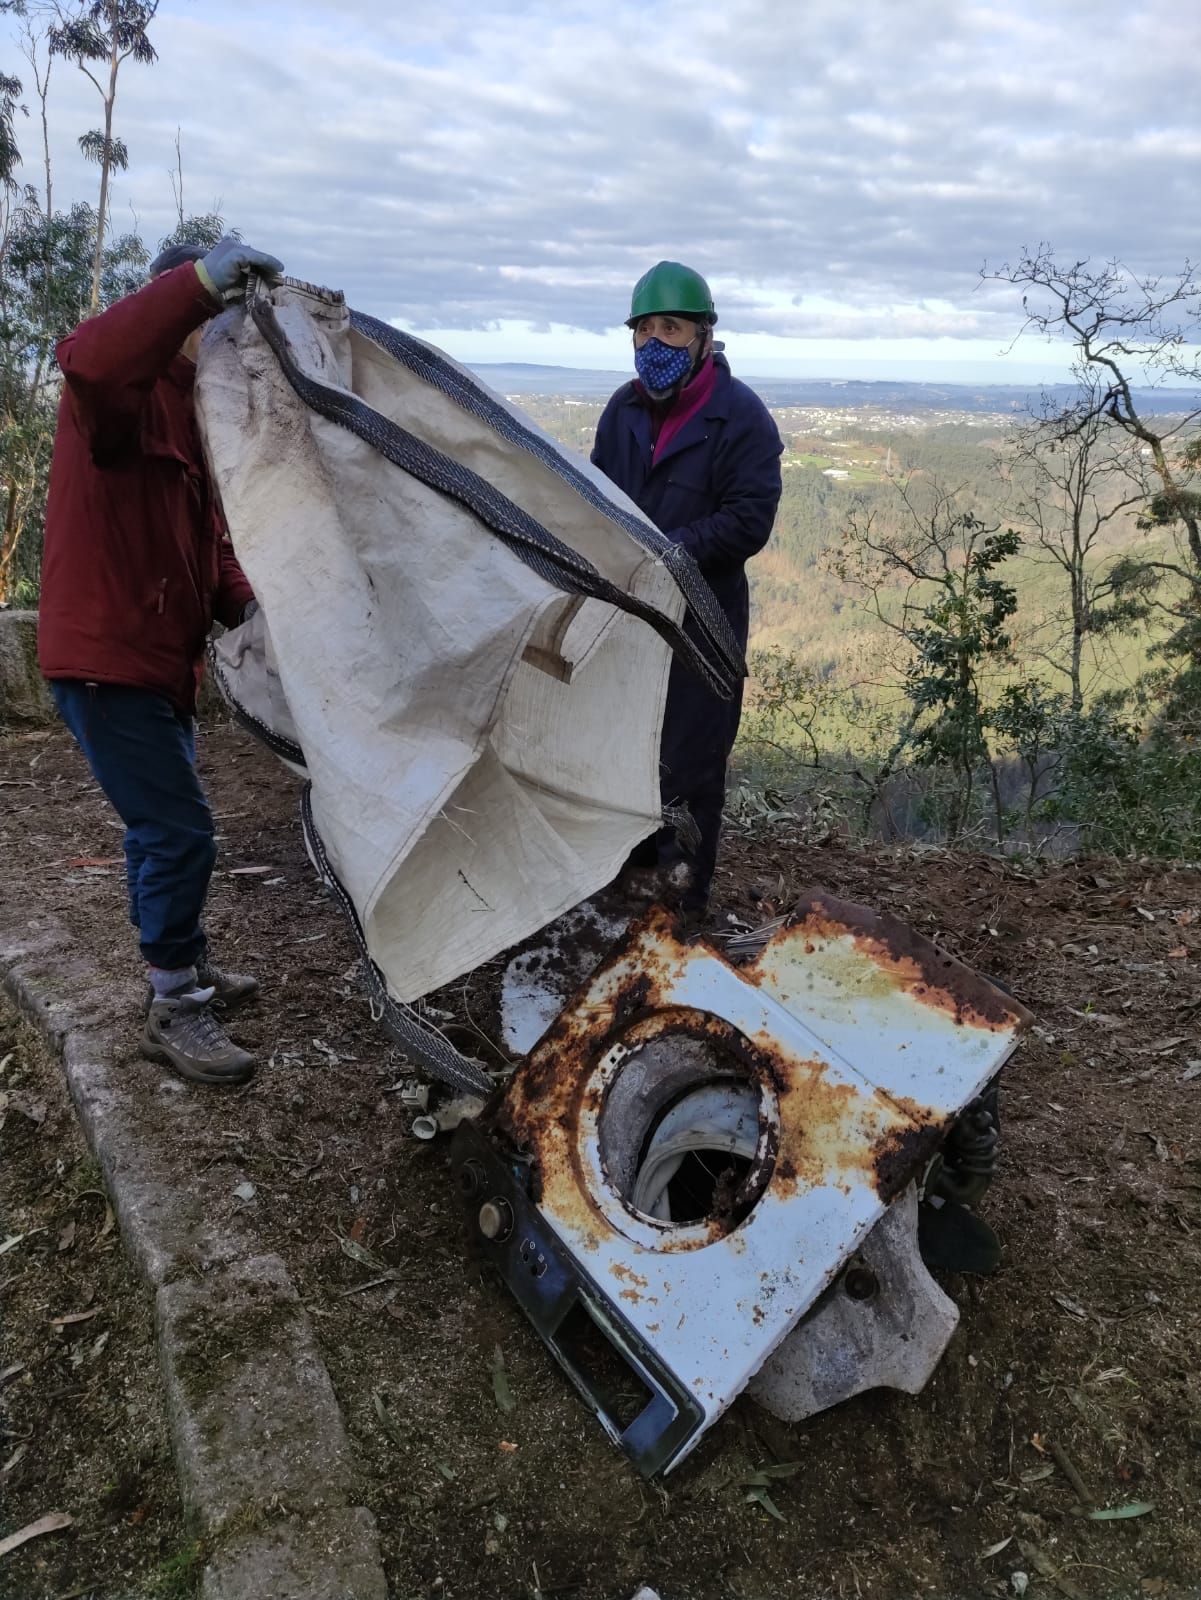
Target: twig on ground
x=1065 y=1464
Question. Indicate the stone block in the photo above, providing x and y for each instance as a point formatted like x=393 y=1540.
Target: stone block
x=24 y=697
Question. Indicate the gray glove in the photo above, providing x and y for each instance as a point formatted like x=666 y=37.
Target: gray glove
x=249 y=609
x=225 y=267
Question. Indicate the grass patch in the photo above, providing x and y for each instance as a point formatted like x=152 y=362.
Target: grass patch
x=178 y=1576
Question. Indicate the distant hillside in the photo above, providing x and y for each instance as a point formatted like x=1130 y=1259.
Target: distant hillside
x=843 y=460
x=522 y=378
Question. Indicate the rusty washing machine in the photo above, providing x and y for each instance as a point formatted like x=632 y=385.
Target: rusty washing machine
x=706 y=1173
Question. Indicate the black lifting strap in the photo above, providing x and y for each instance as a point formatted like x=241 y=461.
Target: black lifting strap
x=714 y=655
x=423 y=1044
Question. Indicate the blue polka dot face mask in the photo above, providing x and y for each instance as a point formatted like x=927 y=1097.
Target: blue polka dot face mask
x=661 y=366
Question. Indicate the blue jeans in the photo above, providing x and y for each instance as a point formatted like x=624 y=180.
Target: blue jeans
x=143 y=755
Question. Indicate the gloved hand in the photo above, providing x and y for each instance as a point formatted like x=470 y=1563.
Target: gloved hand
x=249 y=609
x=225 y=267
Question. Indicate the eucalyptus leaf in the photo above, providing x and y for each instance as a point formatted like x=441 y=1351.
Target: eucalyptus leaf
x=759 y=1496
x=1135 y=1508
x=500 y=1383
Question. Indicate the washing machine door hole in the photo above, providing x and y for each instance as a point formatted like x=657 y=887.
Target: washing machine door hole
x=687 y=1132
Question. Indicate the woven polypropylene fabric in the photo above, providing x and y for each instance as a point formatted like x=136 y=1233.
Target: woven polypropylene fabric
x=430 y=365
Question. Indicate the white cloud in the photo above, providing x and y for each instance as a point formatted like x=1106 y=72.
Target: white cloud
x=841 y=173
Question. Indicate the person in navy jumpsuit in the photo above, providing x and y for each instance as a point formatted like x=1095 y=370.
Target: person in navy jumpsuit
x=698 y=452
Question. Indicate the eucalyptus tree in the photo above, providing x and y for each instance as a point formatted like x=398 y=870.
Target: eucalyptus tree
x=99 y=37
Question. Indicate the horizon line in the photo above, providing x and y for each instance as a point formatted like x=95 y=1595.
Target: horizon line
x=837 y=378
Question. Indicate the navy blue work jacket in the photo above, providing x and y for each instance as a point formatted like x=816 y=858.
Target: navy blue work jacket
x=714 y=489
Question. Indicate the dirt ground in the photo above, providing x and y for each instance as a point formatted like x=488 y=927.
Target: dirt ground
x=1085 y=1341
x=81 y=1405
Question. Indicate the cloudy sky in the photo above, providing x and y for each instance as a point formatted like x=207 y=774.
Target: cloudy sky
x=494 y=174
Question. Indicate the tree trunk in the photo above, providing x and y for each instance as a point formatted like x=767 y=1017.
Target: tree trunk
x=48 y=214
x=106 y=160
x=1078 y=621
x=998 y=808
x=8 y=544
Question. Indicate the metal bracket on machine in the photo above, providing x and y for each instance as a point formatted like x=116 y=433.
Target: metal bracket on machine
x=817 y=1079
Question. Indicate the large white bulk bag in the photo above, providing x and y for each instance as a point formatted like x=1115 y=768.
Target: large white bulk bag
x=453 y=652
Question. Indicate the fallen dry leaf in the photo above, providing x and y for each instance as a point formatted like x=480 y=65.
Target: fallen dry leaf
x=73 y=1317
x=50 y=1523
x=1162 y=1153
x=1073 y=1308
x=14 y=1240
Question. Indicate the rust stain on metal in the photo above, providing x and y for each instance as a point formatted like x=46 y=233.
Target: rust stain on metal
x=900 y=1155
x=541 y=1112
x=823 y=1123
x=912 y=962
x=913 y=1109
x=627 y=1274
x=836 y=1136
x=836 y=1133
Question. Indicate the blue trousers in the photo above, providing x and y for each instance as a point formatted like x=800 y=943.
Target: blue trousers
x=142 y=753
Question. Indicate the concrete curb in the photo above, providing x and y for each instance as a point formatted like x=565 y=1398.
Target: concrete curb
x=260 y=1447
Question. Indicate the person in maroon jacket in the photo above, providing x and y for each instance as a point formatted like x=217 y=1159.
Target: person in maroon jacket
x=136 y=567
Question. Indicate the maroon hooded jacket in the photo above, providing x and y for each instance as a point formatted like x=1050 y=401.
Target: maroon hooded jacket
x=136 y=562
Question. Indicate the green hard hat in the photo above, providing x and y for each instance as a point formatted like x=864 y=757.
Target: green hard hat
x=668 y=286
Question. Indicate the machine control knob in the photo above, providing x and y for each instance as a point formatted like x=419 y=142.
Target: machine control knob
x=496 y=1219
x=472 y=1177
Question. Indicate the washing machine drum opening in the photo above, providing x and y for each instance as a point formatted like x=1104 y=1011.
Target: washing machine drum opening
x=698 y=1156
x=688 y=1131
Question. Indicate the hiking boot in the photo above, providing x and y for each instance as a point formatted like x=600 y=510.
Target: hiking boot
x=182 y=1031
x=230 y=989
